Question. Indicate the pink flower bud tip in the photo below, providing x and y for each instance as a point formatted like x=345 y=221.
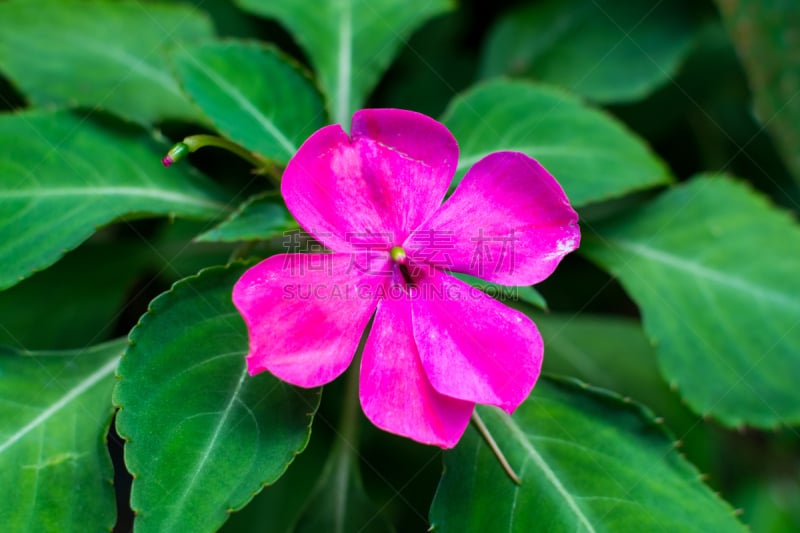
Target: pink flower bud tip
x=176 y=153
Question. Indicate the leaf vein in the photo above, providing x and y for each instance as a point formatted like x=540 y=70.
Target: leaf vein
x=551 y=476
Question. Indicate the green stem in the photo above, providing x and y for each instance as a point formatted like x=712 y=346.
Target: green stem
x=348 y=426
x=487 y=436
x=345 y=449
x=195 y=142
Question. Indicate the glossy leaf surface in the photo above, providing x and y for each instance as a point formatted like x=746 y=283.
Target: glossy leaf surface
x=713 y=267
x=55 y=408
x=202 y=435
x=63 y=175
x=587 y=461
x=101 y=55
x=592 y=155
x=253 y=95
x=606 y=50
x=350 y=43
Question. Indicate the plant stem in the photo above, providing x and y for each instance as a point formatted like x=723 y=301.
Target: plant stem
x=348 y=425
x=484 y=431
x=345 y=448
x=263 y=166
x=195 y=142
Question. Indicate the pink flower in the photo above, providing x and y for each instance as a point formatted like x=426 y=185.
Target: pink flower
x=436 y=346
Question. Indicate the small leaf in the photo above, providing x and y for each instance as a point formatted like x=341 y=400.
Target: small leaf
x=64 y=175
x=55 y=408
x=714 y=268
x=588 y=461
x=350 y=43
x=102 y=55
x=606 y=50
x=253 y=95
x=592 y=155
x=203 y=437
x=261 y=217
x=765 y=35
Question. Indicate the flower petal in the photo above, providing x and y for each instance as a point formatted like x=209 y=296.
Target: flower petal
x=395 y=393
x=305 y=313
x=508 y=221
x=472 y=346
x=421 y=139
x=374 y=188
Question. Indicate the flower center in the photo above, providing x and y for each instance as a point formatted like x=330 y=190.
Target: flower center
x=398 y=255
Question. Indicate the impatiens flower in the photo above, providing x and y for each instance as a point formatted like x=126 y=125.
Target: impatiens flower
x=436 y=346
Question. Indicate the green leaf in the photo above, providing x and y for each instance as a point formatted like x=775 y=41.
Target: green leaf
x=713 y=267
x=202 y=435
x=261 y=217
x=615 y=354
x=277 y=508
x=64 y=175
x=102 y=55
x=322 y=491
x=606 y=50
x=81 y=297
x=350 y=43
x=588 y=461
x=253 y=95
x=592 y=155
x=55 y=408
x=765 y=35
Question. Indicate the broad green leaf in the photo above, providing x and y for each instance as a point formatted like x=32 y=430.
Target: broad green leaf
x=55 y=408
x=614 y=353
x=81 y=296
x=765 y=35
x=253 y=95
x=588 y=462
x=529 y=295
x=261 y=217
x=63 y=175
x=714 y=268
x=102 y=55
x=606 y=50
x=277 y=508
x=322 y=491
x=203 y=436
x=350 y=43
x=593 y=156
